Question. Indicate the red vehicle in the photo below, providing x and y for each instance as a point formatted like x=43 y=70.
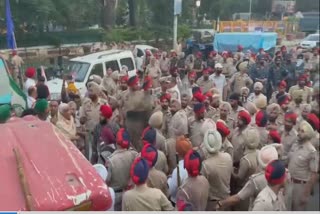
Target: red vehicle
x=42 y=171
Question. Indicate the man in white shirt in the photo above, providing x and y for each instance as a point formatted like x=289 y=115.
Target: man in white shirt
x=219 y=80
x=32 y=96
x=30 y=74
x=174 y=90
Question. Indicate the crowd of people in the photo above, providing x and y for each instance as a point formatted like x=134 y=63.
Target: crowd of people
x=229 y=131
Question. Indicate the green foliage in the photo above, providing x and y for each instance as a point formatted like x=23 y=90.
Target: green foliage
x=184 y=31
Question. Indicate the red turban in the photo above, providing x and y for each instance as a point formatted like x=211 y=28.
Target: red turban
x=303 y=77
x=192 y=74
x=282 y=84
x=261 y=119
x=245 y=116
x=123 y=138
x=199 y=54
x=275 y=136
x=132 y=81
x=213 y=53
x=149 y=135
x=196 y=89
x=199 y=108
x=106 y=111
x=314 y=121
x=291 y=116
x=192 y=163
x=240 y=48
x=209 y=95
x=30 y=72
x=222 y=129
x=206 y=71
x=107 y=135
x=199 y=97
x=124 y=79
x=164 y=97
x=150 y=153
x=282 y=100
x=147 y=84
x=275 y=172
x=225 y=53
x=139 y=171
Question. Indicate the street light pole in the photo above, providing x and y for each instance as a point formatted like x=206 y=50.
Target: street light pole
x=198 y=3
x=175 y=31
x=250 y=9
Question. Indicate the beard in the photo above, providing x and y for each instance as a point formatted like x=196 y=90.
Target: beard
x=165 y=107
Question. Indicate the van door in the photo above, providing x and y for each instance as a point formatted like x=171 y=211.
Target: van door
x=127 y=62
x=113 y=65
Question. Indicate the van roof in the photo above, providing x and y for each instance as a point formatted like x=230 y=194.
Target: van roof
x=102 y=55
x=145 y=47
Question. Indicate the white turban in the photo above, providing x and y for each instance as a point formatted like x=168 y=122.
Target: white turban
x=267 y=154
x=251 y=138
x=258 y=86
x=207 y=125
x=63 y=107
x=156 y=119
x=102 y=171
x=212 y=141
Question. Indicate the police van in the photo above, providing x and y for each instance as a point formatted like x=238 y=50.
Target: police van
x=81 y=68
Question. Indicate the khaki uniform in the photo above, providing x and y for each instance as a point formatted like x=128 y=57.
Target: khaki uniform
x=189 y=111
x=91 y=111
x=205 y=85
x=172 y=160
x=315 y=107
x=307 y=93
x=303 y=160
x=137 y=108
x=288 y=139
x=179 y=121
x=118 y=165
x=158 y=180
x=109 y=85
x=164 y=66
x=217 y=169
x=315 y=141
x=237 y=141
x=234 y=113
x=252 y=188
x=17 y=62
x=239 y=80
x=195 y=131
x=165 y=124
x=161 y=142
x=227 y=147
x=263 y=136
x=212 y=112
x=143 y=198
x=267 y=200
x=162 y=164
x=248 y=166
x=155 y=73
x=273 y=98
x=195 y=191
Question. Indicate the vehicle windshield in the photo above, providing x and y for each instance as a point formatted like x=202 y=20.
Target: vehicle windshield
x=78 y=70
x=313 y=38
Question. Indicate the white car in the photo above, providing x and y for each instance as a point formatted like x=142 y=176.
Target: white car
x=140 y=50
x=310 y=41
x=85 y=66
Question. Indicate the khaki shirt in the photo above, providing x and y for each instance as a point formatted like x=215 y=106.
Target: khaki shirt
x=172 y=160
x=143 y=198
x=263 y=136
x=196 y=137
x=234 y=113
x=288 y=139
x=189 y=111
x=239 y=80
x=273 y=98
x=161 y=142
x=158 y=180
x=212 y=112
x=307 y=93
x=136 y=101
x=315 y=141
x=227 y=147
x=303 y=159
x=178 y=124
x=248 y=166
x=109 y=85
x=17 y=61
x=237 y=141
x=205 y=85
x=162 y=164
x=91 y=111
x=252 y=188
x=218 y=169
x=155 y=73
x=195 y=191
x=118 y=165
x=267 y=200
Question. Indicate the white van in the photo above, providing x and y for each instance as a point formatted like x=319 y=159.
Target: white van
x=98 y=63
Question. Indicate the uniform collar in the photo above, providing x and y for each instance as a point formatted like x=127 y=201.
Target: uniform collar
x=273 y=196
